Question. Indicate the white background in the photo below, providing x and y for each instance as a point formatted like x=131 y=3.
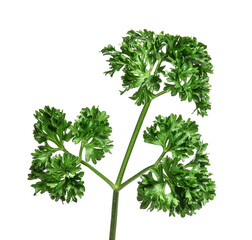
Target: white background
x=49 y=55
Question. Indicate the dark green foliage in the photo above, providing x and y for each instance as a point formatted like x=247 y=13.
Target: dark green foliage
x=92 y=130
x=142 y=57
x=173 y=134
x=51 y=126
x=41 y=156
x=61 y=176
x=190 y=185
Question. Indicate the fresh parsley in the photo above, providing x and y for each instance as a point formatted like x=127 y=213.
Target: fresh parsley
x=178 y=181
x=142 y=57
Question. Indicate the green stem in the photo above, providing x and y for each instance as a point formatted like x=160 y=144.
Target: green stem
x=98 y=174
x=93 y=169
x=131 y=144
x=134 y=177
x=112 y=235
x=140 y=173
x=158 y=65
x=80 y=153
x=159 y=94
x=113 y=222
x=160 y=158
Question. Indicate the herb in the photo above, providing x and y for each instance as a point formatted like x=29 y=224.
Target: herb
x=141 y=56
x=189 y=183
x=169 y=184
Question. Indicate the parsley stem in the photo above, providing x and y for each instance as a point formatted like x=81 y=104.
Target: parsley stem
x=98 y=173
x=159 y=94
x=93 y=169
x=132 y=143
x=160 y=158
x=141 y=172
x=117 y=185
x=113 y=222
x=158 y=65
x=135 y=177
x=80 y=153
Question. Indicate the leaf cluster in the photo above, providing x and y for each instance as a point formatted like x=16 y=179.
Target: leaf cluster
x=143 y=58
x=174 y=135
x=52 y=126
x=60 y=174
x=189 y=185
x=61 y=178
x=92 y=129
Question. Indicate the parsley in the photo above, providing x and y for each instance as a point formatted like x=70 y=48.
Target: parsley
x=174 y=135
x=142 y=60
x=61 y=175
x=141 y=56
x=190 y=184
x=92 y=130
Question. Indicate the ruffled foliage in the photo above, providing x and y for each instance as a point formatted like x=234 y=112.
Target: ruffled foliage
x=173 y=134
x=143 y=58
x=93 y=131
x=61 y=175
x=52 y=126
x=190 y=185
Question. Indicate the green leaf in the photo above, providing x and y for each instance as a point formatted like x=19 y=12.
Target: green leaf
x=151 y=193
x=51 y=126
x=190 y=185
x=41 y=158
x=143 y=56
x=93 y=131
x=61 y=178
x=174 y=135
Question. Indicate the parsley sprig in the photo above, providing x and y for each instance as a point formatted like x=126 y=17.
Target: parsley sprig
x=178 y=181
x=142 y=57
x=60 y=175
x=190 y=185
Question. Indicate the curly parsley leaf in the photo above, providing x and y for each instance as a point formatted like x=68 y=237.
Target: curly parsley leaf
x=142 y=57
x=190 y=185
x=174 y=135
x=60 y=177
x=41 y=157
x=92 y=129
x=52 y=126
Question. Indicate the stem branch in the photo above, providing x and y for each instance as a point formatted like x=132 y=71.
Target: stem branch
x=131 y=144
x=141 y=172
x=134 y=177
x=117 y=185
x=93 y=169
x=159 y=94
x=98 y=174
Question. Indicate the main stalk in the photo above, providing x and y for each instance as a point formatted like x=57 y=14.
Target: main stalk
x=112 y=235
